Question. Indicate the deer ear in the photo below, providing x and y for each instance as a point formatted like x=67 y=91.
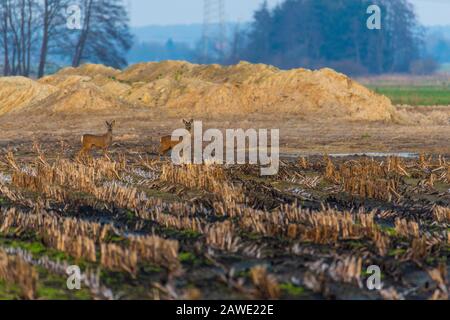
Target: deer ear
x=107 y=123
x=113 y=122
x=184 y=121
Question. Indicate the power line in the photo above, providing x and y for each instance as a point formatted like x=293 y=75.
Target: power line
x=214 y=28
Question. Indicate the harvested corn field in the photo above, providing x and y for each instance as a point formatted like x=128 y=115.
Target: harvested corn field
x=139 y=227
x=134 y=226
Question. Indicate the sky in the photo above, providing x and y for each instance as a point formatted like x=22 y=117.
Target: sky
x=165 y=12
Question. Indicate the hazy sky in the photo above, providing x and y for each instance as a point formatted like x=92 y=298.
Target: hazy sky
x=145 y=12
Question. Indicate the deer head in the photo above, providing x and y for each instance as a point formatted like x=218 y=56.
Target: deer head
x=110 y=125
x=188 y=124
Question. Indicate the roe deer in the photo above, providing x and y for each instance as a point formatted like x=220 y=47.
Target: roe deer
x=88 y=141
x=166 y=143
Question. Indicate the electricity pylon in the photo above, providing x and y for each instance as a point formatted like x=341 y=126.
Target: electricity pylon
x=214 y=29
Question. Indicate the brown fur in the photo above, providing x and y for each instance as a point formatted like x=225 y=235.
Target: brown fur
x=166 y=143
x=89 y=141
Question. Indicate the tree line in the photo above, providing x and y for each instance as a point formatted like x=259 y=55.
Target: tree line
x=318 y=33
x=68 y=31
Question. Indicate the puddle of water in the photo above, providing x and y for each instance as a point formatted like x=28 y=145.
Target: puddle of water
x=377 y=154
x=409 y=155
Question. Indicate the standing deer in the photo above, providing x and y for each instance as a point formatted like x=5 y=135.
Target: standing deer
x=89 y=141
x=166 y=143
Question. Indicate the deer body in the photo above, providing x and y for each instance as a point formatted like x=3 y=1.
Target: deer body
x=89 y=141
x=166 y=143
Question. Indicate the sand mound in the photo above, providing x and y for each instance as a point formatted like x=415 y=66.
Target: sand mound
x=116 y=88
x=422 y=116
x=246 y=88
x=69 y=82
x=81 y=98
x=213 y=89
x=153 y=71
x=95 y=73
x=16 y=93
x=65 y=81
x=90 y=70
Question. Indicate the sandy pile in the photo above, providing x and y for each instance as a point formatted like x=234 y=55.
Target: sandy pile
x=80 y=98
x=245 y=88
x=16 y=93
x=190 y=88
x=90 y=70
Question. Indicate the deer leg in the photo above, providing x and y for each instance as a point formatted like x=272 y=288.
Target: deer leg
x=82 y=151
x=166 y=150
x=161 y=152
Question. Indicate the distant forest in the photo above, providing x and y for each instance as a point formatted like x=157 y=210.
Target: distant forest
x=318 y=33
x=323 y=33
x=35 y=39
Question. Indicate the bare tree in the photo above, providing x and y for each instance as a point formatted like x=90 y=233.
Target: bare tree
x=18 y=31
x=81 y=41
x=52 y=19
x=16 y=35
x=4 y=29
x=105 y=35
x=34 y=31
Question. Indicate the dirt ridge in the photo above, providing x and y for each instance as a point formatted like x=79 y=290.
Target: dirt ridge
x=190 y=88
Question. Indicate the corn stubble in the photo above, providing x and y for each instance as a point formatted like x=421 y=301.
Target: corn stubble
x=162 y=226
x=15 y=270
